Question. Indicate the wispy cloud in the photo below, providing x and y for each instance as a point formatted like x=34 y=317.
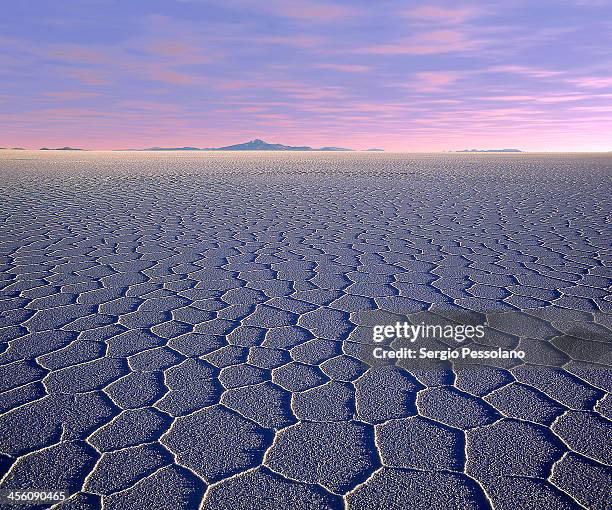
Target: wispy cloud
x=445 y=15
x=599 y=108
x=317 y=11
x=525 y=71
x=78 y=54
x=541 y=98
x=89 y=76
x=70 y=95
x=179 y=52
x=433 y=81
x=346 y=68
x=297 y=40
x=304 y=9
x=428 y=43
x=593 y=82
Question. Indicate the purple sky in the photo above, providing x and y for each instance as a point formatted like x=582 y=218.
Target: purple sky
x=401 y=75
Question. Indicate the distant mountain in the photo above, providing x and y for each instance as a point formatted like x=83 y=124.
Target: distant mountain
x=253 y=145
x=61 y=149
x=12 y=149
x=260 y=145
x=375 y=150
x=490 y=150
x=337 y=149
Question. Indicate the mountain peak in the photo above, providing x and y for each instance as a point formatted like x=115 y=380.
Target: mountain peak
x=256 y=144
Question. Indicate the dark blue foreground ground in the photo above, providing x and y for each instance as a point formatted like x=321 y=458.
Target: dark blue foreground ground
x=180 y=330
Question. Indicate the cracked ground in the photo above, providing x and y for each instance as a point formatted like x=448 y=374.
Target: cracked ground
x=179 y=330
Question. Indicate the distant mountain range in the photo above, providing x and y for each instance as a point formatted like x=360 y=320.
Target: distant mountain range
x=61 y=149
x=253 y=145
x=490 y=150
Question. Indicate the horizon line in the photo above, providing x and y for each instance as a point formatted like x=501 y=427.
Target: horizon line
x=161 y=149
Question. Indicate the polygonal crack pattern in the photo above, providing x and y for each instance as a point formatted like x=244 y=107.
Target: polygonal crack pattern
x=175 y=331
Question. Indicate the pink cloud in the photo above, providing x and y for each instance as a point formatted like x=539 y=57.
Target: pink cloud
x=436 y=14
x=159 y=56
x=79 y=54
x=180 y=52
x=300 y=41
x=505 y=112
x=593 y=108
x=541 y=98
x=346 y=68
x=251 y=109
x=284 y=91
x=320 y=11
x=233 y=85
x=170 y=76
x=149 y=106
x=308 y=93
x=290 y=88
x=88 y=76
x=304 y=9
x=525 y=71
x=442 y=101
x=69 y=95
x=433 y=81
x=428 y=43
x=508 y=98
x=593 y=82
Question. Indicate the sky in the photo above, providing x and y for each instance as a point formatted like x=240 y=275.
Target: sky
x=399 y=75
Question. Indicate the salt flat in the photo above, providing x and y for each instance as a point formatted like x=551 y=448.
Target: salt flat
x=181 y=329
